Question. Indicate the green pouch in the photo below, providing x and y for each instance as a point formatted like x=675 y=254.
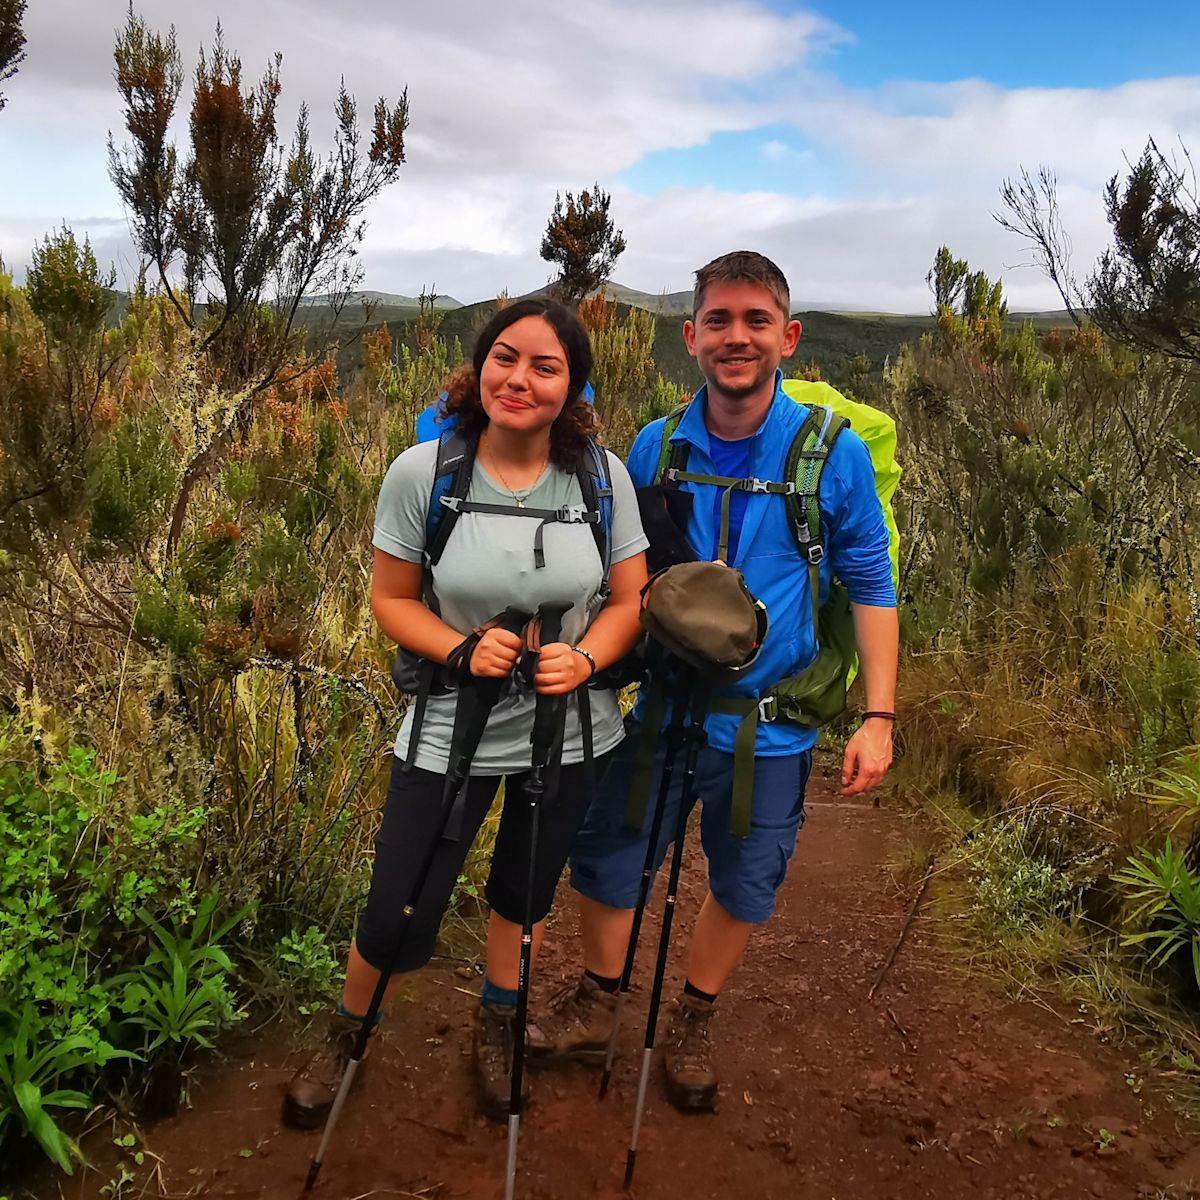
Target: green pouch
x=818 y=693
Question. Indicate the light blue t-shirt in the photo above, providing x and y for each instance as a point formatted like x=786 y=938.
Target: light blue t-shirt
x=487 y=565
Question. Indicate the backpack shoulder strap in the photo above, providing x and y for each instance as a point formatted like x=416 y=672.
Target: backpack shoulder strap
x=806 y=459
x=595 y=487
x=451 y=480
x=671 y=455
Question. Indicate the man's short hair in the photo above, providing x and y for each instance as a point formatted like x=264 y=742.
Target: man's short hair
x=743 y=266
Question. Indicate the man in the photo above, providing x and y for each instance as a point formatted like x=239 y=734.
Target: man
x=740 y=424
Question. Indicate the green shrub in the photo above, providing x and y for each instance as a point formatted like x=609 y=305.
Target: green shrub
x=1015 y=891
x=131 y=485
x=308 y=968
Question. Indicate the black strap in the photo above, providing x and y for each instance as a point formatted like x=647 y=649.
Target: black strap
x=476 y=699
x=424 y=689
x=662 y=676
x=584 y=700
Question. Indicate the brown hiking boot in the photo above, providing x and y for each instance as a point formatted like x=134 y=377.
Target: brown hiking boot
x=312 y=1089
x=577 y=1023
x=691 y=1078
x=491 y=1057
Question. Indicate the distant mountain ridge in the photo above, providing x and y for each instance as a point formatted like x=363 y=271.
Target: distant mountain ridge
x=441 y=304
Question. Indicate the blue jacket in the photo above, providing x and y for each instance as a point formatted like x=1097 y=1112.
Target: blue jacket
x=855 y=536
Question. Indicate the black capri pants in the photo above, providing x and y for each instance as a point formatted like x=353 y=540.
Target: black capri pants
x=412 y=818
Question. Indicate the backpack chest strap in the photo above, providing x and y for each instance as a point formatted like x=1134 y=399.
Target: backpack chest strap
x=729 y=486
x=568 y=514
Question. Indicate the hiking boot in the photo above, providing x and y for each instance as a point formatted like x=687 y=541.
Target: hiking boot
x=491 y=1058
x=577 y=1023
x=691 y=1078
x=311 y=1091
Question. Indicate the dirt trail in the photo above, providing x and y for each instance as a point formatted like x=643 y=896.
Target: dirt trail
x=933 y=1090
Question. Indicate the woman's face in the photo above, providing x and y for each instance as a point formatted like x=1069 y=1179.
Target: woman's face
x=525 y=377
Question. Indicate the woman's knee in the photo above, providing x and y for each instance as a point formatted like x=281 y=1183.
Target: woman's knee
x=378 y=948
x=507 y=898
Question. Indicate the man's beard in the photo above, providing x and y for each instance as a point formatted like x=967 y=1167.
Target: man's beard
x=741 y=391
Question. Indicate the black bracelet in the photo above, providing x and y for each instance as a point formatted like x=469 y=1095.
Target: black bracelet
x=883 y=716
x=582 y=652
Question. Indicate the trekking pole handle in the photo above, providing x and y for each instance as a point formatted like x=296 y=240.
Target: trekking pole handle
x=546 y=711
x=513 y=619
x=550 y=621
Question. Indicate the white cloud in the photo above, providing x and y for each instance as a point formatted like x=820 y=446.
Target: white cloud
x=959 y=133
x=775 y=150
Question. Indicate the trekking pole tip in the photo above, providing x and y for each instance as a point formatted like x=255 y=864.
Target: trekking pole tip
x=314 y=1169
x=630 y=1163
x=604 y=1081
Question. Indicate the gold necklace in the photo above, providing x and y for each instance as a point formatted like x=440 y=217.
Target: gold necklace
x=518 y=497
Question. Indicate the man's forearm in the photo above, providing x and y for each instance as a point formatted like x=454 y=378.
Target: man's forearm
x=877 y=632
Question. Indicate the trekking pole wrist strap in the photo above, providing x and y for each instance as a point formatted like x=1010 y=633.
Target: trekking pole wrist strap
x=458 y=661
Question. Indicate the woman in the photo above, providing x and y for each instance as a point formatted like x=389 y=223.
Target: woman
x=520 y=403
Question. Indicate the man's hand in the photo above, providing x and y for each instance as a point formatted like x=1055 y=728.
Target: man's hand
x=560 y=670
x=868 y=756
x=496 y=654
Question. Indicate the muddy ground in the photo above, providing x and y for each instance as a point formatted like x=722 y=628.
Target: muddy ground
x=935 y=1088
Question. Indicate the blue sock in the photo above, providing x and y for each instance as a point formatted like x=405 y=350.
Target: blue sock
x=497 y=995
x=343 y=1011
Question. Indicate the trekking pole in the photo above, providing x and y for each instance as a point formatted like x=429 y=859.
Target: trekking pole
x=675 y=734
x=549 y=714
x=475 y=702
x=695 y=737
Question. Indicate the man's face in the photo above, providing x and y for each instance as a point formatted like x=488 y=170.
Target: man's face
x=739 y=337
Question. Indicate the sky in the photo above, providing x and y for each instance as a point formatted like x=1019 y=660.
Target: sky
x=846 y=141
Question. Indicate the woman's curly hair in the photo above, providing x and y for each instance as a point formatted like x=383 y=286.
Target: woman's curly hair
x=576 y=423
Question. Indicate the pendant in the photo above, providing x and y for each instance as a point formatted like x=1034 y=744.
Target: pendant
x=520 y=501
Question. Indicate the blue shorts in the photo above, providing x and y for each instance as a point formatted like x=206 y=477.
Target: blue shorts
x=743 y=873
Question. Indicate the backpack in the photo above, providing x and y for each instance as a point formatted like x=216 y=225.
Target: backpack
x=818 y=694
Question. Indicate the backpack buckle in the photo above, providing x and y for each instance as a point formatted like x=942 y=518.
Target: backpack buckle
x=454 y=503
x=575 y=514
x=758 y=485
x=815 y=553
x=768 y=708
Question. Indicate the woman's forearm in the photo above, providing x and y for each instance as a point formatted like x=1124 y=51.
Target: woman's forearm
x=614 y=632
x=413 y=627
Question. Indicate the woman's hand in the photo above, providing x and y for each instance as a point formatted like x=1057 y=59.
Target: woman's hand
x=496 y=654
x=560 y=670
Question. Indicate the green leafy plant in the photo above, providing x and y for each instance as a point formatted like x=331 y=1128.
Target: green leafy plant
x=31 y=1068
x=1178 y=786
x=1164 y=892
x=308 y=967
x=180 y=995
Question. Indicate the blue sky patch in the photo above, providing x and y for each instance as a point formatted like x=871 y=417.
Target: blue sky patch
x=1019 y=44
x=775 y=158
